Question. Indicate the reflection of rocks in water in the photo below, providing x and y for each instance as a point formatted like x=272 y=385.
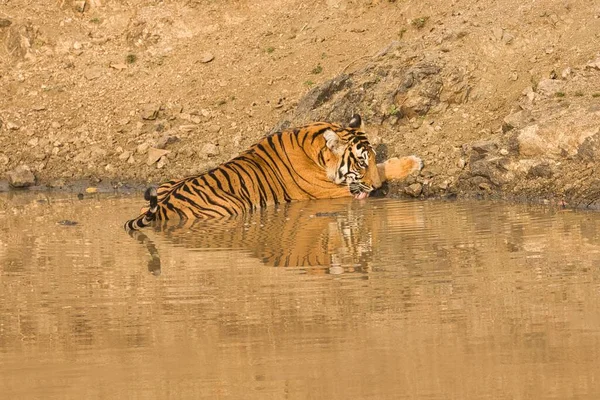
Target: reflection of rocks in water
x=333 y=236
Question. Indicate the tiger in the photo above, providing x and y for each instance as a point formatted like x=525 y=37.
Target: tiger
x=320 y=160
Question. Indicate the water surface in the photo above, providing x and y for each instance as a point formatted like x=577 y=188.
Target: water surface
x=377 y=299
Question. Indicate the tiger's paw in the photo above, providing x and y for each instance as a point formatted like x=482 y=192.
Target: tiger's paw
x=399 y=168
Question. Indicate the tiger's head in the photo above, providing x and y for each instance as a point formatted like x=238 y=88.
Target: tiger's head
x=353 y=162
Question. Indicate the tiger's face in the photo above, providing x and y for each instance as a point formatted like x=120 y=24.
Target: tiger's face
x=355 y=164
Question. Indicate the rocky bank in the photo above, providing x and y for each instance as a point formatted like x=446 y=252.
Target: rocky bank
x=501 y=99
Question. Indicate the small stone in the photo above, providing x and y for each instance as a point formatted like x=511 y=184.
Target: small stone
x=77 y=46
x=507 y=38
x=93 y=73
x=595 y=64
x=516 y=120
x=11 y=126
x=188 y=128
x=542 y=170
x=150 y=112
x=504 y=152
x=5 y=23
x=125 y=155
x=142 y=148
x=79 y=5
x=39 y=107
x=91 y=189
x=33 y=142
x=483 y=147
x=162 y=162
x=155 y=154
x=530 y=143
x=4 y=160
x=21 y=177
x=131 y=160
x=207 y=57
x=566 y=73
x=118 y=66
x=414 y=190
x=549 y=87
x=214 y=128
x=166 y=140
x=56 y=125
x=485 y=186
x=210 y=150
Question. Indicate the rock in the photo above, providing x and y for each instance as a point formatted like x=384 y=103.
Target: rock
x=595 y=64
x=118 y=66
x=485 y=186
x=93 y=73
x=125 y=155
x=5 y=23
x=4 y=160
x=155 y=154
x=150 y=112
x=11 y=126
x=491 y=168
x=142 y=148
x=79 y=5
x=207 y=57
x=541 y=170
x=484 y=147
x=84 y=156
x=530 y=143
x=166 y=140
x=187 y=128
x=414 y=190
x=516 y=120
x=323 y=93
x=162 y=162
x=210 y=150
x=38 y=107
x=214 y=128
x=549 y=87
x=91 y=190
x=56 y=125
x=21 y=177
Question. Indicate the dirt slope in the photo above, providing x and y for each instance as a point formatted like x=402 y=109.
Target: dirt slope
x=141 y=91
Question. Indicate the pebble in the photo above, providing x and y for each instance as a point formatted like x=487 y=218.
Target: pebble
x=11 y=126
x=214 y=129
x=93 y=73
x=414 y=190
x=166 y=140
x=125 y=155
x=21 y=177
x=142 y=148
x=4 y=160
x=56 y=125
x=150 y=112
x=210 y=150
x=155 y=154
x=207 y=57
x=162 y=162
x=5 y=23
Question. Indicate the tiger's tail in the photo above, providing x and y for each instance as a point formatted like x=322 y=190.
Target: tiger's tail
x=146 y=218
x=399 y=168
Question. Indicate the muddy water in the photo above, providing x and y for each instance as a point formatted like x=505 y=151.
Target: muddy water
x=380 y=299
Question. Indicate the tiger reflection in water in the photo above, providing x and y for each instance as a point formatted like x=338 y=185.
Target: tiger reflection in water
x=334 y=236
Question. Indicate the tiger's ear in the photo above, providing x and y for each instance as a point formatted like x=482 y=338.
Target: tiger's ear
x=355 y=122
x=333 y=142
